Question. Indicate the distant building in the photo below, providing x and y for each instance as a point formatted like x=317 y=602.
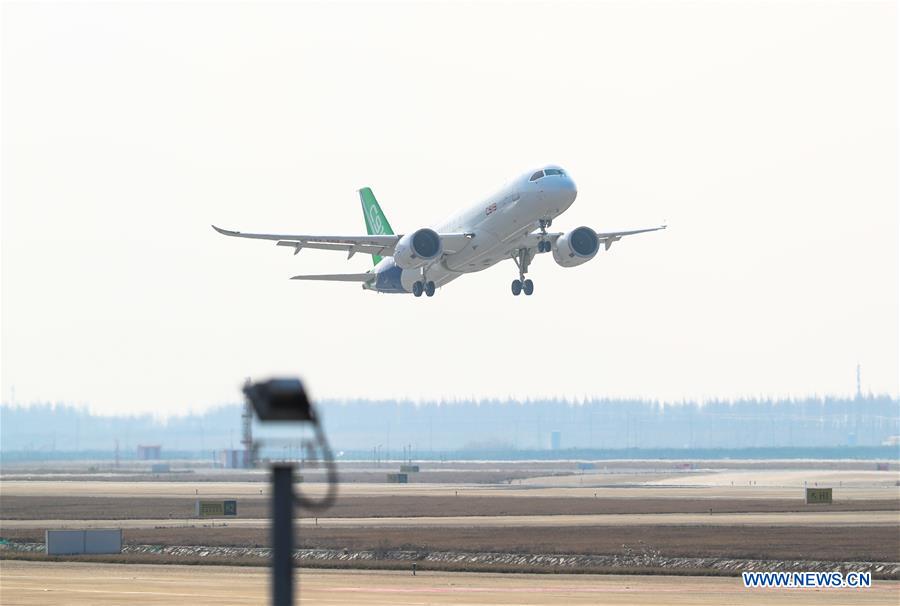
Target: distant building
x=151 y=452
x=555 y=439
x=234 y=459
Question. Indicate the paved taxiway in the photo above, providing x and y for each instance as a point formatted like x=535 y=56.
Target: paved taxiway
x=46 y=583
x=769 y=485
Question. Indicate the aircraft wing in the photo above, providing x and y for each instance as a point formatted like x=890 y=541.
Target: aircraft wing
x=606 y=238
x=614 y=236
x=379 y=245
x=375 y=245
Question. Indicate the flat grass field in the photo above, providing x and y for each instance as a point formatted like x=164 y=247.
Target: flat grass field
x=63 y=507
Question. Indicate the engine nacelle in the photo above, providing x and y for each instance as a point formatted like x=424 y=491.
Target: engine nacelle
x=417 y=248
x=576 y=247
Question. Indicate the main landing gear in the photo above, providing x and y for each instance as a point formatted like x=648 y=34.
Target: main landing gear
x=420 y=287
x=424 y=285
x=523 y=259
x=519 y=286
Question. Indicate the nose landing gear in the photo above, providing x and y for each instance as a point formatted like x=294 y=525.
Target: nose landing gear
x=544 y=245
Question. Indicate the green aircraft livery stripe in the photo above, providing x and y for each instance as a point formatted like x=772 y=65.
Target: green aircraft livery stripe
x=376 y=223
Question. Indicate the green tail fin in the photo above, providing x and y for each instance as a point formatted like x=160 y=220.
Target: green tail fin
x=376 y=223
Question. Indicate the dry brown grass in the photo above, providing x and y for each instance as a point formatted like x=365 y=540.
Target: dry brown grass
x=114 y=508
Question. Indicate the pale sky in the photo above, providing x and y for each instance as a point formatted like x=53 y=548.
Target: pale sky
x=764 y=133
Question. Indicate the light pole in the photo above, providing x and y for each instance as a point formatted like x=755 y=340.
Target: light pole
x=285 y=400
x=282 y=534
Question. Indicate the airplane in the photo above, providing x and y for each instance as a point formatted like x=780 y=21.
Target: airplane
x=511 y=224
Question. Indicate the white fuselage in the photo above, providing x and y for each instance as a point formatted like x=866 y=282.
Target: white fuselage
x=499 y=224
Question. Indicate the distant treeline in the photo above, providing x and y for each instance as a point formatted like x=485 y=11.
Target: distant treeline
x=842 y=453
x=383 y=429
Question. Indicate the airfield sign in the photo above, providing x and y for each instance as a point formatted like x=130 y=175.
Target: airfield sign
x=216 y=509
x=818 y=495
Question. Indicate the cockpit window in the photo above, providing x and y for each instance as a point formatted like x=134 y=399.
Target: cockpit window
x=552 y=171
x=537 y=175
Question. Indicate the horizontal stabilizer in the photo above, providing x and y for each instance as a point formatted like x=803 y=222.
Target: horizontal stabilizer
x=338 y=277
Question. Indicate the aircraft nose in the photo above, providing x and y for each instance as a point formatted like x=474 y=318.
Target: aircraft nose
x=565 y=188
x=553 y=183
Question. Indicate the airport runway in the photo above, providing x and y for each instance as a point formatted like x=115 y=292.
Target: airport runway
x=812 y=518
x=786 y=477
x=48 y=583
x=884 y=489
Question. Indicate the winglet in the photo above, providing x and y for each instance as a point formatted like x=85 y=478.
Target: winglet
x=225 y=232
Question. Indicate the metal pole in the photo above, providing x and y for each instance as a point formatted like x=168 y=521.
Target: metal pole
x=282 y=534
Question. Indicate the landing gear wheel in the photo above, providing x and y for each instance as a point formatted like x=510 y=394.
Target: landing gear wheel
x=523 y=258
x=429 y=289
x=544 y=246
x=418 y=288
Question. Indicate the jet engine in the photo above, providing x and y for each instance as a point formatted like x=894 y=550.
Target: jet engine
x=418 y=248
x=576 y=247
